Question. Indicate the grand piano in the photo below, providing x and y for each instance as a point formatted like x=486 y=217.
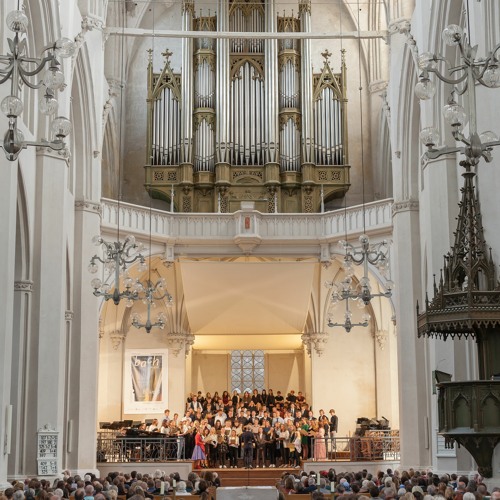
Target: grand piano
x=137 y=445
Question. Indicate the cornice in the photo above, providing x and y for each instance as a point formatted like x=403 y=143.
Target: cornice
x=88 y=206
x=23 y=286
x=410 y=205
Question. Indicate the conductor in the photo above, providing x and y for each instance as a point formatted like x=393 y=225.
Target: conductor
x=248 y=440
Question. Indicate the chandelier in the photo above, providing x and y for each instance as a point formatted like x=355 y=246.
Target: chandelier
x=375 y=255
x=348 y=324
x=19 y=68
x=152 y=293
x=463 y=78
x=117 y=256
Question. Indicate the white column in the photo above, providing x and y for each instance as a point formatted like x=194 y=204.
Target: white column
x=23 y=289
x=8 y=196
x=47 y=362
x=414 y=379
x=83 y=348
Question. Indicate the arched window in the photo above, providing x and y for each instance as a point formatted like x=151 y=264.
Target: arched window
x=247 y=370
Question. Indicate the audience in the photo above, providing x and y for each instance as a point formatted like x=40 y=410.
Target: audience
x=405 y=485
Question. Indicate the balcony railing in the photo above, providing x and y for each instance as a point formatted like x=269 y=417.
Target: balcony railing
x=375 y=219
x=139 y=449
x=384 y=446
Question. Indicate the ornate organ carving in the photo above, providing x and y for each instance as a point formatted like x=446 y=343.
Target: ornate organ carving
x=246 y=119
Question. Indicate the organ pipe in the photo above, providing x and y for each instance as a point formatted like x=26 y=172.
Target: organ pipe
x=271 y=86
x=222 y=94
x=247 y=102
x=187 y=84
x=306 y=84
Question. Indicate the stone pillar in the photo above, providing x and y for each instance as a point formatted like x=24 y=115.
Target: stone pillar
x=23 y=289
x=413 y=380
x=47 y=353
x=8 y=197
x=179 y=345
x=83 y=347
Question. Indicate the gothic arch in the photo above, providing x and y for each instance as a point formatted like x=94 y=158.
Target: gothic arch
x=383 y=179
x=23 y=243
x=85 y=141
x=406 y=131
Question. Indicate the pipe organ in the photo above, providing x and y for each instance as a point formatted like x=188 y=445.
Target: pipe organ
x=246 y=119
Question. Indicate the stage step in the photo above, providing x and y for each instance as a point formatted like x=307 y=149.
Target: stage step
x=252 y=477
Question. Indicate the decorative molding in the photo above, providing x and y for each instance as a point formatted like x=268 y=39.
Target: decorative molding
x=410 y=205
x=61 y=154
x=386 y=109
x=23 y=286
x=403 y=27
x=255 y=60
x=378 y=86
x=316 y=341
x=289 y=114
x=381 y=337
x=47 y=428
x=400 y=26
x=179 y=340
x=114 y=89
x=69 y=315
x=188 y=7
x=304 y=7
x=90 y=23
x=206 y=114
x=207 y=56
x=88 y=206
x=117 y=337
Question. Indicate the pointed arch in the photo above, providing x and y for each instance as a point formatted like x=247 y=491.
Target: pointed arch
x=23 y=244
x=83 y=179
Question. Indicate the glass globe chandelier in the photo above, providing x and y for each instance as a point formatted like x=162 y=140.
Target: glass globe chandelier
x=117 y=256
x=152 y=294
x=464 y=77
x=20 y=68
x=376 y=255
x=348 y=324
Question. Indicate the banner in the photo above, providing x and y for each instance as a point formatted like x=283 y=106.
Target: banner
x=145 y=381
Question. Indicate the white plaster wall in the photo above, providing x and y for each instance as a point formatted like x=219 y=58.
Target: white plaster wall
x=111 y=374
x=343 y=378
